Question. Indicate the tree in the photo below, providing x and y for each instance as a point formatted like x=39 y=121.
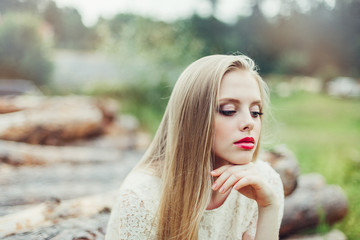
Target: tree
x=23 y=53
x=32 y=6
x=70 y=32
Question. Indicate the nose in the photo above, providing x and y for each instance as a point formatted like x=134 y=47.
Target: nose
x=246 y=122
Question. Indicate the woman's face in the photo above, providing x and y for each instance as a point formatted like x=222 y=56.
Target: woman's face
x=237 y=121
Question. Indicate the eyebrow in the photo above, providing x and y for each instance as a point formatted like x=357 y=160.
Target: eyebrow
x=237 y=101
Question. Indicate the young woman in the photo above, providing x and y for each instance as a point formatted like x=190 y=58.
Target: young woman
x=200 y=177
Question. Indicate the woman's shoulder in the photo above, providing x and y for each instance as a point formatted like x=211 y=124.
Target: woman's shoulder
x=133 y=214
x=142 y=183
x=141 y=176
x=266 y=170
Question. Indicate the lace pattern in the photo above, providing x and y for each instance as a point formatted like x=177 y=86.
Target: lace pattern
x=133 y=216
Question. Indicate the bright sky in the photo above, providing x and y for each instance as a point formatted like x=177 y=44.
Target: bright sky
x=168 y=10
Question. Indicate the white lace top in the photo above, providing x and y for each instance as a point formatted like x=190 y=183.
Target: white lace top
x=133 y=214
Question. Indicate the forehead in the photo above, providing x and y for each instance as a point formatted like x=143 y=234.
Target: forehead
x=239 y=84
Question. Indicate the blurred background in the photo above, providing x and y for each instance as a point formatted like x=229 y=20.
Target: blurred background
x=133 y=51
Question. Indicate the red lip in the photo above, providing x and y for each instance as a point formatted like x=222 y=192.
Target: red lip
x=247 y=139
x=247 y=143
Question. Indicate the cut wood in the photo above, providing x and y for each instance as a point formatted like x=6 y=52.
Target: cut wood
x=334 y=234
x=126 y=141
x=309 y=206
x=10 y=104
x=53 y=120
x=75 y=228
x=284 y=163
x=49 y=213
x=122 y=133
x=51 y=125
x=16 y=153
x=34 y=184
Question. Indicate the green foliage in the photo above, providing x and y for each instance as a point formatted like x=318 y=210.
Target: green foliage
x=70 y=32
x=214 y=34
x=20 y=5
x=150 y=55
x=145 y=41
x=23 y=53
x=145 y=100
x=321 y=40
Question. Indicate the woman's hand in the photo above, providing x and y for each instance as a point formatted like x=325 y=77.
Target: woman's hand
x=247 y=180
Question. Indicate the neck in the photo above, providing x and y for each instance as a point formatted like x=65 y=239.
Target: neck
x=219 y=162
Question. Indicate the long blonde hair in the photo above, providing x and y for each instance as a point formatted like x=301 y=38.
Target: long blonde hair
x=181 y=152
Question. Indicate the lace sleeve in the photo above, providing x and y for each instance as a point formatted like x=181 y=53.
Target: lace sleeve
x=275 y=182
x=131 y=219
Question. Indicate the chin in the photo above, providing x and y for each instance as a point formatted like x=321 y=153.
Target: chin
x=237 y=158
x=241 y=159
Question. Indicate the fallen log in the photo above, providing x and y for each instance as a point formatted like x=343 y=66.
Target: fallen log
x=75 y=228
x=284 y=163
x=10 y=104
x=34 y=184
x=51 y=212
x=122 y=133
x=16 y=153
x=53 y=120
x=51 y=125
x=332 y=235
x=312 y=204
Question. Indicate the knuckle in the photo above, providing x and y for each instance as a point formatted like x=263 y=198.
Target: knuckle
x=238 y=175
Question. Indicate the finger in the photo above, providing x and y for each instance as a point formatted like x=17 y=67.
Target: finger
x=255 y=188
x=243 y=182
x=220 y=180
x=220 y=170
x=229 y=183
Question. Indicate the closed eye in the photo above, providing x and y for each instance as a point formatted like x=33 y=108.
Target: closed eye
x=227 y=112
x=255 y=114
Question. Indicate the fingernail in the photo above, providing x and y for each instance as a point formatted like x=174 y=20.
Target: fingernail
x=222 y=189
x=214 y=186
x=212 y=172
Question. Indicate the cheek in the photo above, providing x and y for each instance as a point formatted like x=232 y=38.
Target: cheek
x=221 y=126
x=218 y=134
x=258 y=129
x=223 y=134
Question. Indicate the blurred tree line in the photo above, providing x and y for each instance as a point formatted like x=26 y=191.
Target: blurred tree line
x=321 y=40
x=69 y=30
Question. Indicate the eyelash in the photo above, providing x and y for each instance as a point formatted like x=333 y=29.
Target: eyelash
x=254 y=114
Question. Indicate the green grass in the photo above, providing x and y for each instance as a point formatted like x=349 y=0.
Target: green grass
x=324 y=134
